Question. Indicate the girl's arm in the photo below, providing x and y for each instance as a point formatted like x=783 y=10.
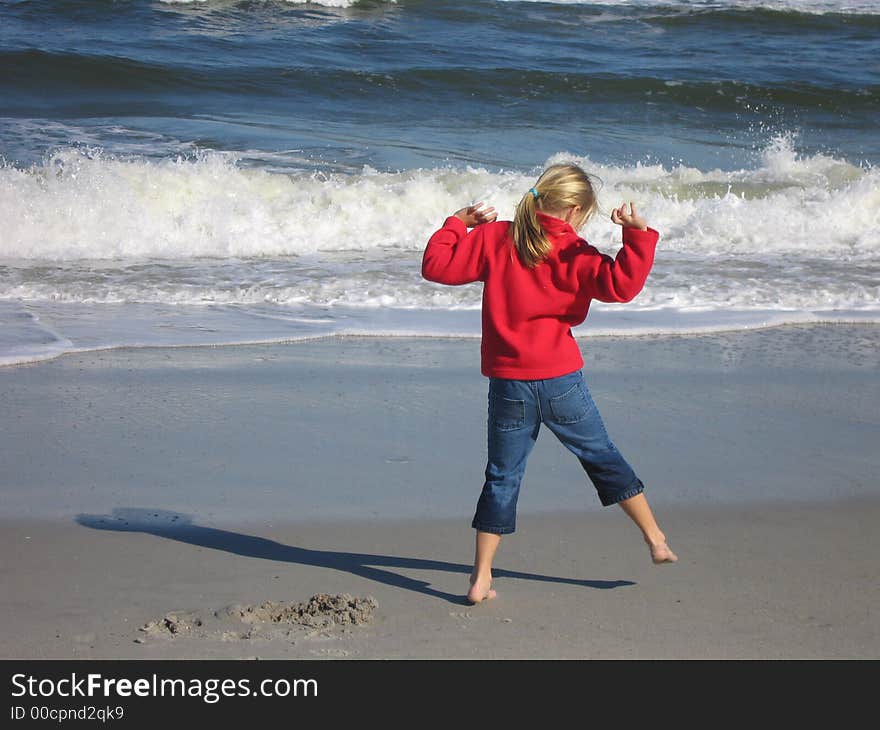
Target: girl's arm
x=453 y=255
x=621 y=278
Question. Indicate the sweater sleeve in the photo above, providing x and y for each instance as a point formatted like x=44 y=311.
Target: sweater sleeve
x=621 y=278
x=454 y=255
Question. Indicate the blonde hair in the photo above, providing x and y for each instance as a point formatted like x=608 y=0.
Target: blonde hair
x=559 y=187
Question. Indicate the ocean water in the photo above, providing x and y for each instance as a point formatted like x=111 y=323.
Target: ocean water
x=223 y=171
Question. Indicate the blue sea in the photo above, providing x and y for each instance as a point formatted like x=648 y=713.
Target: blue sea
x=176 y=173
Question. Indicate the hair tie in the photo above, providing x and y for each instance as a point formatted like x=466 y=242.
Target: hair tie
x=534 y=192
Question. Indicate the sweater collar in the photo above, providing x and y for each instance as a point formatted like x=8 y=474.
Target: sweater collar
x=556 y=227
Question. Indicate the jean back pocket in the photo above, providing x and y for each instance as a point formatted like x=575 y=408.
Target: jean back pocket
x=572 y=406
x=506 y=414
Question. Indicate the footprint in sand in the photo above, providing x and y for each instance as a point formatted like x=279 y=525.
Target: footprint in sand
x=461 y=614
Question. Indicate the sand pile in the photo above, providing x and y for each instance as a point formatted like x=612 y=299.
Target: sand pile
x=322 y=611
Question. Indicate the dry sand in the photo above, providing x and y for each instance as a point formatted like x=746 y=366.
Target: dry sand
x=119 y=516
x=776 y=581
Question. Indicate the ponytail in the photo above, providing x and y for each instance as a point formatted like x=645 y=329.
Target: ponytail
x=560 y=187
x=529 y=239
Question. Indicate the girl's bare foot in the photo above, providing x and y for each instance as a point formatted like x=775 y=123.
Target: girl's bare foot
x=661 y=552
x=481 y=589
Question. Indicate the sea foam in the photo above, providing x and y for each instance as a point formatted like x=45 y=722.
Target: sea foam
x=82 y=205
x=101 y=251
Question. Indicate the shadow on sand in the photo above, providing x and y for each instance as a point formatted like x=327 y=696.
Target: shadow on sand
x=180 y=527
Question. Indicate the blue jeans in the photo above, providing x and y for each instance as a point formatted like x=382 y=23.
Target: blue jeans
x=517 y=408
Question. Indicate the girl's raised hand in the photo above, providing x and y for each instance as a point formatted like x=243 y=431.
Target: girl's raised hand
x=473 y=215
x=630 y=219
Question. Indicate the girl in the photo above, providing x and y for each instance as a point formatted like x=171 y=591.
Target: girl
x=538 y=279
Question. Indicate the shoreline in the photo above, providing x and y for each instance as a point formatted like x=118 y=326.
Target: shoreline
x=582 y=336
x=175 y=327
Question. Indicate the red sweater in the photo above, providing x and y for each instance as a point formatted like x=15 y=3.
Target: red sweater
x=528 y=313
